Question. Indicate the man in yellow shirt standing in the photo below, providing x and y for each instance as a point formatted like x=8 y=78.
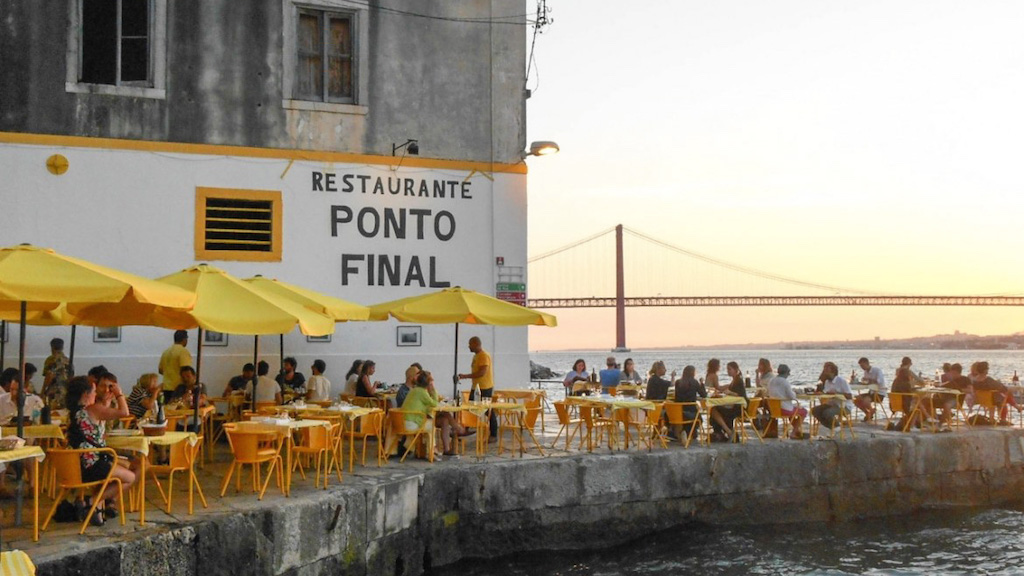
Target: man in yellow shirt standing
x=172 y=361
x=483 y=378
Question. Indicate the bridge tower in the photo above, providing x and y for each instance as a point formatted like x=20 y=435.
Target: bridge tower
x=620 y=295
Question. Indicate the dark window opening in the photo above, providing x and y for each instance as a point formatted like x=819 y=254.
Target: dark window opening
x=115 y=41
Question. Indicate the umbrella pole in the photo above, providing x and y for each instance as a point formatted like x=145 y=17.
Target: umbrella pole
x=256 y=363
x=196 y=392
x=71 y=353
x=3 y=343
x=455 y=370
x=18 y=470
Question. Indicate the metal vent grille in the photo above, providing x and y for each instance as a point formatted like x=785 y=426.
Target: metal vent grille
x=239 y=225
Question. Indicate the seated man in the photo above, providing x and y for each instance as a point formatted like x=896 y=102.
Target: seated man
x=872 y=376
x=266 y=389
x=291 y=381
x=948 y=402
x=610 y=376
x=410 y=382
x=241 y=382
x=318 y=386
x=190 y=392
x=779 y=387
x=827 y=413
x=1001 y=395
x=9 y=405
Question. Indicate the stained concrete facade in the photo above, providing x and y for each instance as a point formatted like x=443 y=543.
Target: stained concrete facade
x=454 y=84
x=221 y=112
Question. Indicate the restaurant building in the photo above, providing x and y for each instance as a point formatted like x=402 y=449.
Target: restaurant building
x=368 y=150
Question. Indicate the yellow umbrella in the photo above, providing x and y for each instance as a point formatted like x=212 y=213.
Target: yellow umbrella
x=458 y=305
x=40 y=279
x=340 y=310
x=336 y=308
x=223 y=303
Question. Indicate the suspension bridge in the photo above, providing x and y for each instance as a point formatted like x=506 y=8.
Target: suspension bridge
x=579 y=275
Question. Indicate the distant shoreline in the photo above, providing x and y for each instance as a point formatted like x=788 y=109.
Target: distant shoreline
x=956 y=341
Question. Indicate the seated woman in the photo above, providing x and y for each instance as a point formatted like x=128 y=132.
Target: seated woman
x=577 y=374
x=420 y=400
x=87 y=413
x=144 y=395
x=687 y=390
x=902 y=384
x=365 y=388
x=657 y=385
x=352 y=378
x=630 y=375
x=723 y=416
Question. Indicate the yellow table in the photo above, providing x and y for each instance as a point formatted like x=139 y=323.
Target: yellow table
x=507 y=409
x=35 y=431
x=36 y=454
x=140 y=444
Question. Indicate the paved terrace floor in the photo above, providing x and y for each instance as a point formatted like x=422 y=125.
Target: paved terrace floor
x=62 y=539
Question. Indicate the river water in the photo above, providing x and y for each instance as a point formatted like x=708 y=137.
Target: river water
x=985 y=541
x=947 y=542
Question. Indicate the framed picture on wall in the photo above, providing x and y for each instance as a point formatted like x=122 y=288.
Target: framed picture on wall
x=410 y=335
x=106 y=334
x=211 y=338
x=324 y=338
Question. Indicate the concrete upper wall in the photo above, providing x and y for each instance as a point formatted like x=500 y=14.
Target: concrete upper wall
x=457 y=87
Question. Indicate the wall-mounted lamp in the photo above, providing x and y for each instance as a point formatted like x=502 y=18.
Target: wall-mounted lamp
x=411 y=146
x=541 y=148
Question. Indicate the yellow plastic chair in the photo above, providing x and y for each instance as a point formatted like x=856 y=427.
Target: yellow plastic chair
x=315 y=443
x=16 y=563
x=510 y=422
x=901 y=403
x=985 y=404
x=747 y=417
x=775 y=412
x=248 y=448
x=67 y=464
x=568 y=424
x=692 y=427
x=479 y=423
x=649 y=429
x=182 y=459
x=370 y=426
x=396 y=429
x=592 y=422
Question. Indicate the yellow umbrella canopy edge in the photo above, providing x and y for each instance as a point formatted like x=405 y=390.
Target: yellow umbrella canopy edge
x=458 y=305
x=338 y=309
x=227 y=304
x=42 y=275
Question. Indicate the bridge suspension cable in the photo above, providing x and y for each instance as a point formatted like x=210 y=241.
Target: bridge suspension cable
x=745 y=269
x=569 y=246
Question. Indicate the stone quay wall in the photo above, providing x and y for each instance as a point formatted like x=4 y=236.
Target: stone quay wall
x=405 y=521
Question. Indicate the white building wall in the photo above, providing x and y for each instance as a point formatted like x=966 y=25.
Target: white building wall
x=135 y=210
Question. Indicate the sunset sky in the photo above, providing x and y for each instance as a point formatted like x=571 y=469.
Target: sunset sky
x=873 y=145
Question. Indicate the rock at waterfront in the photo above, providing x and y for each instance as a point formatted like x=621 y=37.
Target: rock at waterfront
x=538 y=372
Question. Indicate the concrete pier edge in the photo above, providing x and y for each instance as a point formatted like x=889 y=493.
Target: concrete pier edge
x=408 y=521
